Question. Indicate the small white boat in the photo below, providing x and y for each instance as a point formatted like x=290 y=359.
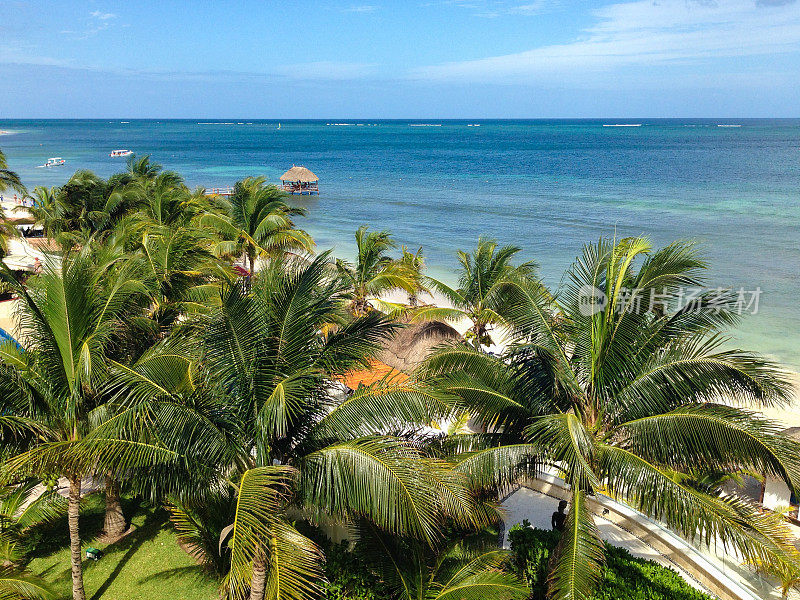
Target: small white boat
x=119 y=153
x=54 y=162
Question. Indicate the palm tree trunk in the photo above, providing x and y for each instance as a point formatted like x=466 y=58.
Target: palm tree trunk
x=73 y=511
x=477 y=332
x=114 y=525
x=259 y=584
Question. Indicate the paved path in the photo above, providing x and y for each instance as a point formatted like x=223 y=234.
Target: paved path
x=537 y=506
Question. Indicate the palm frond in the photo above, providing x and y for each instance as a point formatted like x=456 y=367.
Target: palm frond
x=380 y=479
x=485 y=577
x=716 y=436
x=695 y=514
x=579 y=555
x=384 y=406
x=259 y=533
x=564 y=440
x=18 y=586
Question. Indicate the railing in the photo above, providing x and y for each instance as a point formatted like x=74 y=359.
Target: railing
x=220 y=191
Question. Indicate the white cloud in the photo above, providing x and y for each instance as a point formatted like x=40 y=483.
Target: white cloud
x=531 y=8
x=98 y=21
x=102 y=16
x=645 y=33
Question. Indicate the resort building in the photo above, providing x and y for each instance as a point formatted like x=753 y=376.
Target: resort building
x=299 y=180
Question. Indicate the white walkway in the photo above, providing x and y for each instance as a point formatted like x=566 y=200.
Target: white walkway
x=538 y=506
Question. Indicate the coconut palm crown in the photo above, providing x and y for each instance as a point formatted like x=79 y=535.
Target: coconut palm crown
x=257 y=222
x=480 y=296
x=626 y=388
x=375 y=273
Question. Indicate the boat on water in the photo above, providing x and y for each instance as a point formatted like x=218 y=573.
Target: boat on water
x=120 y=153
x=56 y=161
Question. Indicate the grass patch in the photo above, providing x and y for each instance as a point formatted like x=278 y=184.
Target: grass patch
x=147 y=564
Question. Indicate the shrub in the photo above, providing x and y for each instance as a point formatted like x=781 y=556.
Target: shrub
x=349 y=577
x=625 y=577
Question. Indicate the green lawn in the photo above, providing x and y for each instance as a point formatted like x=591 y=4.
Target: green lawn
x=147 y=564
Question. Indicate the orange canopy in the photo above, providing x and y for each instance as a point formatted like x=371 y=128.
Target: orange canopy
x=377 y=371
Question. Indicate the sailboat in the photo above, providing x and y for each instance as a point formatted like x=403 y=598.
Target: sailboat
x=279 y=125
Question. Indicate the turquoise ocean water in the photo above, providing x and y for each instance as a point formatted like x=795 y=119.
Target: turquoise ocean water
x=548 y=186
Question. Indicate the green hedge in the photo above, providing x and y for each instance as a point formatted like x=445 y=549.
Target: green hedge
x=624 y=577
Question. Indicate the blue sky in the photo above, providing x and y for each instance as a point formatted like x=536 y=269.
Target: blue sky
x=387 y=59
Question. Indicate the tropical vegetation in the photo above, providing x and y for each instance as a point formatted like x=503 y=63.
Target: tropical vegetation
x=178 y=370
x=617 y=387
x=624 y=578
x=485 y=276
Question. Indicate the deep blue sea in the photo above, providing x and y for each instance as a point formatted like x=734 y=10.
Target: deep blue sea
x=548 y=186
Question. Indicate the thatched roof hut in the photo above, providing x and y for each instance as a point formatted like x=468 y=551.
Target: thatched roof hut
x=411 y=345
x=299 y=180
x=300 y=174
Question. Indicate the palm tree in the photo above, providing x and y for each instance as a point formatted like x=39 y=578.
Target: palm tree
x=619 y=387
x=162 y=203
x=414 y=262
x=142 y=170
x=83 y=207
x=257 y=222
x=265 y=370
x=479 y=297
x=46 y=210
x=376 y=273
x=178 y=267
x=8 y=178
x=468 y=566
x=68 y=315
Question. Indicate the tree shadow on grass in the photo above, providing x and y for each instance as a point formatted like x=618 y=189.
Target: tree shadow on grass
x=53 y=536
x=197 y=572
x=128 y=546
